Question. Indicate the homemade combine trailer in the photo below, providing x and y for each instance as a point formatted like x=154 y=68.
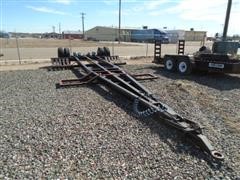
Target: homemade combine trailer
x=96 y=70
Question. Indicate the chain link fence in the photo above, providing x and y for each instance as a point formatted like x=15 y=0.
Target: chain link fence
x=21 y=49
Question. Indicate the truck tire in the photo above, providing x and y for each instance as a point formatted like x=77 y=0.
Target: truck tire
x=184 y=66
x=60 y=52
x=66 y=52
x=169 y=64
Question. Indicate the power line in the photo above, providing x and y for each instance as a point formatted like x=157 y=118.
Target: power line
x=83 y=14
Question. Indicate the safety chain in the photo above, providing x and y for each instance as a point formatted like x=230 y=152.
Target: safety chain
x=145 y=113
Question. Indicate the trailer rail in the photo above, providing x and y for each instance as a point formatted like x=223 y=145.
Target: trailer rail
x=98 y=70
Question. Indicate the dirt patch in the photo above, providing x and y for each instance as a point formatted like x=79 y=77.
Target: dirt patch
x=23 y=66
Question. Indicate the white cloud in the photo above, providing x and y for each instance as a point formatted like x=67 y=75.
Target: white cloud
x=207 y=11
x=154 y=4
x=116 y=2
x=46 y=10
x=66 y=2
x=109 y=2
x=233 y=23
x=204 y=10
x=147 y=6
x=203 y=14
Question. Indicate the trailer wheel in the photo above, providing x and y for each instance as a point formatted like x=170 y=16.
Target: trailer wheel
x=100 y=51
x=60 y=52
x=106 y=51
x=169 y=64
x=66 y=52
x=184 y=66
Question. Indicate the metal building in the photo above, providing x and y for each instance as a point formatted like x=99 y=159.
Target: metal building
x=72 y=35
x=195 y=35
x=175 y=35
x=102 y=33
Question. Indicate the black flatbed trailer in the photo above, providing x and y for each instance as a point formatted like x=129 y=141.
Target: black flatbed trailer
x=203 y=60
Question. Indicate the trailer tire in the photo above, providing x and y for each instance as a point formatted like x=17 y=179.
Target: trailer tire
x=100 y=51
x=60 y=52
x=169 y=64
x=184 y=66
x=66 y=52
x=106 y=51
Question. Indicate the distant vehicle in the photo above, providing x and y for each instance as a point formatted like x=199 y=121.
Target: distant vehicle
x=149 y=35
x=4 y=34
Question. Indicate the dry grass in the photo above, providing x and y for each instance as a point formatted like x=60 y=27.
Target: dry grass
x=205 y=99
x=192 y=90
x=36 y=43
x=233 y=124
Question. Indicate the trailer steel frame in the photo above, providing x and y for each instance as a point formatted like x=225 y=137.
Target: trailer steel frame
x=98 y=70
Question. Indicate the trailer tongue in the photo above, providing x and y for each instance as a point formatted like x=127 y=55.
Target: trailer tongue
x=94 y=70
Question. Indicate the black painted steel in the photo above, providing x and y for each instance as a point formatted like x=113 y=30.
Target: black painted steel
x=101 y=71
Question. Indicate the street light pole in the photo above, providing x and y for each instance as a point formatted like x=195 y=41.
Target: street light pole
x=119 y=27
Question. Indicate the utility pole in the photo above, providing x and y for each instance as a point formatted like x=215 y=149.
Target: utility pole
x=83 y=23
x=119 y=27
x=227 y=20
x=53 y=27
x=60 y=33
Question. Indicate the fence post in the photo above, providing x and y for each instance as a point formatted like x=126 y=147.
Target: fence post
x=147 y=49
x=70 y=44
x=113 y=48
x=19 y=58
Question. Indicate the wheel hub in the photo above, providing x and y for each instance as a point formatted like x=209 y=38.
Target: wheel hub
x=169 y=64
x=182 y=67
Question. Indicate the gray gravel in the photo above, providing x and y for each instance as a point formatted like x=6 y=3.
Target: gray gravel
x=89 y=132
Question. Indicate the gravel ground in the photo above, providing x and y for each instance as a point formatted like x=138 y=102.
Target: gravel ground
x=89 y=132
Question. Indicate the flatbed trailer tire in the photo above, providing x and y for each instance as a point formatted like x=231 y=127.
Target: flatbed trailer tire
x=184 y=66
x=169 y=63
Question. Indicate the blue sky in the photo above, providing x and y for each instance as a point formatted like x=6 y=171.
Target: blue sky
x=41 y=15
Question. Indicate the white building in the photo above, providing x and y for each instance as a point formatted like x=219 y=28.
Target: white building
x=175 y=35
